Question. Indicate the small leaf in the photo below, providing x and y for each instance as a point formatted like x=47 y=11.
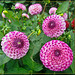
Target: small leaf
x=9 y=14
x=73 y=49
x=1 y=8
x=67 y=71
x=2 y=69
x=1 y=22
x=37 y=66
x=32 y=64
x=3 y=58
x=46 y=1
x=1 y=35
x=49 y=71
x=28 y=60
x=36 y=48
x=21 y=1
x=72 y=40
x=13 y=67
x=72 y=66
x=63 y=7
x=8 y=1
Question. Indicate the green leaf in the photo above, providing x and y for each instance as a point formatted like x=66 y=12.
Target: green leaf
x=63 y=7
x=2 y=69
x=3 y=58
x=73 y=49
x=37 y=66
x=1 y=8
x=1 y=22
x=49 y=71
x=72 y=66
x=37 y=41
x=13 y=67
x=28 y=60
x=32 y=64
x=72 y=40
x=8 y=1
x=21 y=1
x=12 y=63
x=9 y=15
x=45 y=39
x=46 y=1
x=67 y=71
x=36 y=49
x=36 y=38
x=1 y=35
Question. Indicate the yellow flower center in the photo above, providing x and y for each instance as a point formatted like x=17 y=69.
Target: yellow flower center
x=19 y=43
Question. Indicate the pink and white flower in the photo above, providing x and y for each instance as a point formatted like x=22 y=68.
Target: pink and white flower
x=65 y=16
x=20 y=6
x=26 y=15
x=56 y=55
x=15 y=44
x=52 y=10
x=35 y=9
x=54 y=26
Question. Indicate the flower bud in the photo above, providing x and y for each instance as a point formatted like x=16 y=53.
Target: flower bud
x=39 y=31
x=61 y=14
x=5 y=12
x=69 y=36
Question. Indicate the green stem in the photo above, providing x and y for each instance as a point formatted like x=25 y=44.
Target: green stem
x=54 y=73
x=30 y=34
x=3 y=32
x=44 y=7
x=21 y=18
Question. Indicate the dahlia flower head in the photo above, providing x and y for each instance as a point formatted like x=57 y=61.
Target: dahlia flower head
x=15 y=44
x=65 y=16
x=35 y=9
x=54 y=26
x=20 y=6
x=52 y=10
x=26 y=15
x=56 y=55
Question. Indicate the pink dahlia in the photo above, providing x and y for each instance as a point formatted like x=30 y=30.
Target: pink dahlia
x=26 y=15
x=15 y=44
x=56 y=55
x=20 y=6
x=52 y=10
x=54 y=26
x=35 y=9
x=65 y=16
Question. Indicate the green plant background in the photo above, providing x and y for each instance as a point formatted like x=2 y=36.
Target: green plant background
x=31 y=62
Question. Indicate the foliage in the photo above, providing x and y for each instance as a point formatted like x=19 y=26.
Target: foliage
x=31 y=62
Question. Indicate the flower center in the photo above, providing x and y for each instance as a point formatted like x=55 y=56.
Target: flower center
x=18 y=43
x=57 y=52
x=51 y=24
